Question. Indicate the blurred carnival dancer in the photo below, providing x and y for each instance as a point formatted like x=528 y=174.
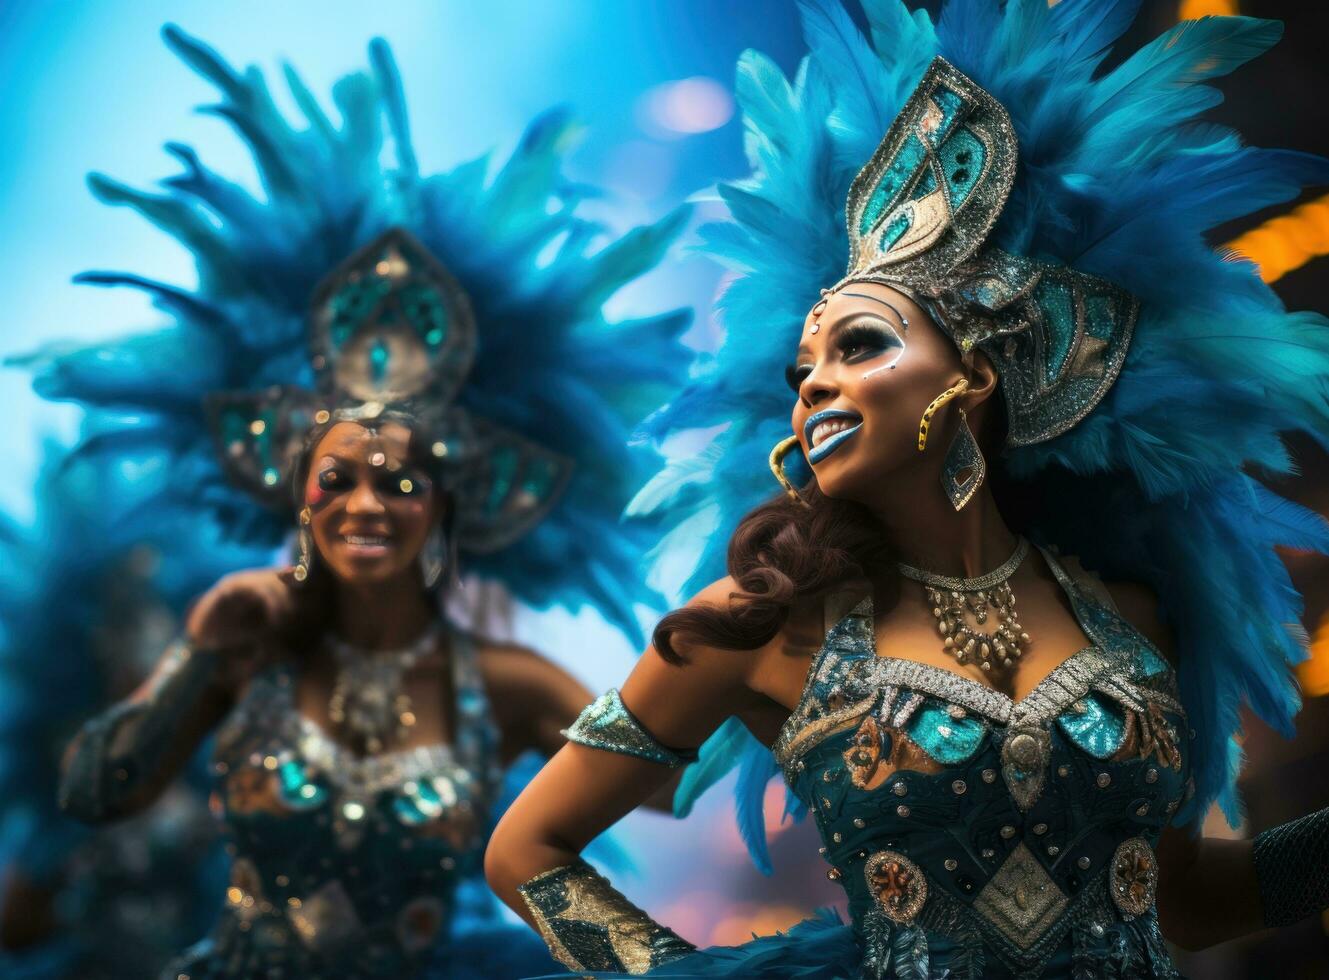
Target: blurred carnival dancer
x=418 y=370
x=1032 y=341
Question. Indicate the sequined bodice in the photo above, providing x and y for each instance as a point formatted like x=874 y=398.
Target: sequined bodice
x=345 y=865
x=980 y=827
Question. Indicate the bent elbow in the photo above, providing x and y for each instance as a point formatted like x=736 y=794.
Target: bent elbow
x=500 y=868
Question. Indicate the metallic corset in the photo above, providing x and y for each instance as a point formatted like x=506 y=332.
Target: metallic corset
x=343 y=866
x=607 y=724
x=1014 y=833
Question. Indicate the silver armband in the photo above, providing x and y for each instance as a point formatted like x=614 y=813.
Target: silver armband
x=607 y=724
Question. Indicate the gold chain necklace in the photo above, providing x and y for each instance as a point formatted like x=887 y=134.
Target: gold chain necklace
x=958 y=601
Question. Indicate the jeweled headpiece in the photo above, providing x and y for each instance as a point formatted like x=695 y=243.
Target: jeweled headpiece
x=919 y=217
x=392 y=331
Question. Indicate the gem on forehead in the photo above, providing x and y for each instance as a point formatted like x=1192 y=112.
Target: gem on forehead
x=377 y=459
x=816 y=327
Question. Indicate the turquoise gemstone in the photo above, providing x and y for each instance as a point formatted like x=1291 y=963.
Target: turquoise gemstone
x=892 y=183
x=1099 y=729
x=962 y=160
x=1054 y=299
x=407 y=812
x=947 y=740
x=378 y=360
x=504 y=463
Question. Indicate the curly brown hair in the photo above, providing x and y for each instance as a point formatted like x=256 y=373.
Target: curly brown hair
x=780 y=552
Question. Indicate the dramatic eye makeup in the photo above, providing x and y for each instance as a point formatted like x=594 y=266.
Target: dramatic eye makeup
x=856 y=342
x=794 y=375
x=865 y=339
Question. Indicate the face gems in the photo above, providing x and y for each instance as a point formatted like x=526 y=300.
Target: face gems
x=378 y=458
x=956 y=600
x=818 y=310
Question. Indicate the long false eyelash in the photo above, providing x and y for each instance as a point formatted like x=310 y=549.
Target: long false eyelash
x=791 y=377
x=867 y=335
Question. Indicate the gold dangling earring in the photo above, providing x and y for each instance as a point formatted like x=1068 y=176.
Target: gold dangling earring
x=782 y=449
x=959 y=388
x=305 y=544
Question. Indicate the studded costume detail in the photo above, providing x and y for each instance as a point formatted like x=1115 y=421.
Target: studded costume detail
x=344 y=865
x=1015 y=876
x=606 y=723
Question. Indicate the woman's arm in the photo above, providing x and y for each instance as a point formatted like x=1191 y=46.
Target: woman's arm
x=532 y=861
x=533 y=698
x=123 y=759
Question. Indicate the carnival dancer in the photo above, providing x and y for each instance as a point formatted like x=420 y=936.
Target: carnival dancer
x=1033 y=352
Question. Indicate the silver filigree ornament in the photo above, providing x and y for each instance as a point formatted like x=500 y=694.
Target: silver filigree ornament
x=369 y=704
x=1133 y=881
x=920 y=217
x=1024 y=764
x=958 y=602
x=1021 y=900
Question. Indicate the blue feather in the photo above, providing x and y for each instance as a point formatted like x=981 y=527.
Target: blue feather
x=756 y=768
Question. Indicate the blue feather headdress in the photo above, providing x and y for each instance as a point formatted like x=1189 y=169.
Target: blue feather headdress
x=546 y=365
x=1118 y=179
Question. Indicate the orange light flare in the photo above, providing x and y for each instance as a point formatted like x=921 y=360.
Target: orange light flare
x=1195 y=9
x=1287 y=242
x=1291 y=240
x=1313 y=673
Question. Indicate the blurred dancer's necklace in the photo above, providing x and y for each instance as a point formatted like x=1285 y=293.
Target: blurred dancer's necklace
x=958 y=602
x=368 y=705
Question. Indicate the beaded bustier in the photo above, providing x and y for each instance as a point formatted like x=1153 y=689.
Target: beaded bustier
x=344 y=866
x=986 y=836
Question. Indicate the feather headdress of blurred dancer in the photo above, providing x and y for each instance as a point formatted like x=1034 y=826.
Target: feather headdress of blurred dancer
x=471 y=298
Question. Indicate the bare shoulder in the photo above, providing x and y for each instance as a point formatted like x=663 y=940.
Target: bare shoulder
x=505 y=665
x=1138 y=605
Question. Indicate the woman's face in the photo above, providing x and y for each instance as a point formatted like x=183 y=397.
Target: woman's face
x=371 y=509
x=869 y=362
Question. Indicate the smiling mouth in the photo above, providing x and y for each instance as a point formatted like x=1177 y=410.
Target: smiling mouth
x=367 y=545
x=827 y=431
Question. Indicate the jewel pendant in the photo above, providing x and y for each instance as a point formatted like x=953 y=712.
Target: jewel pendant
x=954 y=610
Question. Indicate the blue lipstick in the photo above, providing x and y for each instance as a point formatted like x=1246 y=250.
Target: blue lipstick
x=828 y=446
